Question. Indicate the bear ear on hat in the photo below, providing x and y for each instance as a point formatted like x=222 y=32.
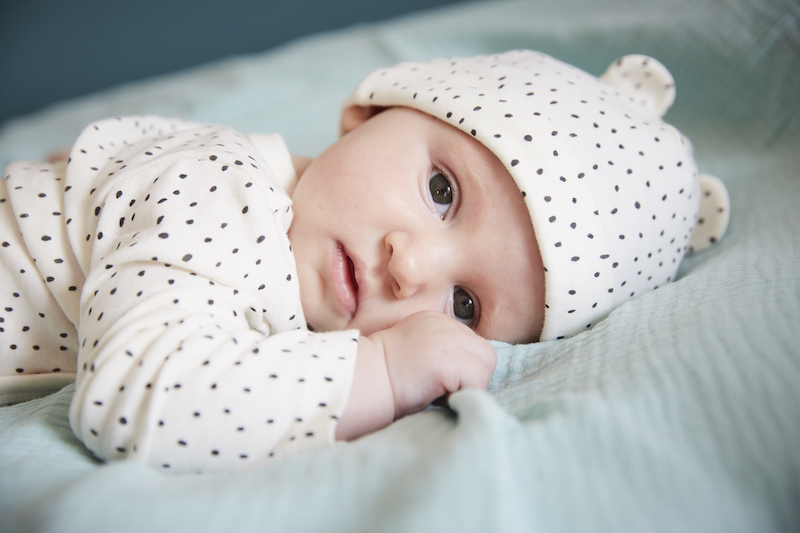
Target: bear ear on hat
x=713 y=215
x=355 y=115
x=644 y=79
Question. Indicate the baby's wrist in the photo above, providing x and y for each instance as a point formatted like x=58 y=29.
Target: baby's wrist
x=370 y=405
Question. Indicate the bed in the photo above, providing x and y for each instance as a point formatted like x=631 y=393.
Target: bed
x=678 y=412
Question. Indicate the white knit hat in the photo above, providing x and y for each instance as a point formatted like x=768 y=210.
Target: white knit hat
x=613 y=191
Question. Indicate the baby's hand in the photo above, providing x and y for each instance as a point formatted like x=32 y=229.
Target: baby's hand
x=401 y=370
x=428 y=354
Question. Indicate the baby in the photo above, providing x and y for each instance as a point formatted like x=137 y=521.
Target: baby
x=224 y=303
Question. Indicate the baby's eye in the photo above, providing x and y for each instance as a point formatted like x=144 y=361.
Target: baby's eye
x=441 y=192
x=463 y=307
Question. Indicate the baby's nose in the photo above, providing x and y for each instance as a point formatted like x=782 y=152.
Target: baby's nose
x=410 y=264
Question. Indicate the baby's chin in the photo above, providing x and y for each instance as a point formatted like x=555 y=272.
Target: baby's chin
x=321 y=324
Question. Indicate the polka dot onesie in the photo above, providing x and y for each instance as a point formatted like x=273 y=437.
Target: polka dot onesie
x=612 y=190
x=156 y=265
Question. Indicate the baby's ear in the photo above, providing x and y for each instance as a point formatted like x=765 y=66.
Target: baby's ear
x=644 y=79
x=355 y=115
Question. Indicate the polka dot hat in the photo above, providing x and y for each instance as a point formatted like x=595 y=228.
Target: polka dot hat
x=613 y=191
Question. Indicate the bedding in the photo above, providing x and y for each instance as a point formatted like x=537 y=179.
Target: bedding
x=678 y=412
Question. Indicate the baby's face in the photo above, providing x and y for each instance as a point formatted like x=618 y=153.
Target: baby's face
x=406 y=213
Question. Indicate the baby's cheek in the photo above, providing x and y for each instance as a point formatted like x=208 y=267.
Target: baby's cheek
x=379 y=316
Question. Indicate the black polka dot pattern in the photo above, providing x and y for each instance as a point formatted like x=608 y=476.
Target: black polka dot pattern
x=714 y=215
x=191 y=351
x=612 y=190
x=38 y=268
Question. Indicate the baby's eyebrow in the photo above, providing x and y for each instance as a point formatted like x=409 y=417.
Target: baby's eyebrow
x=483 y=180
x=470 y=165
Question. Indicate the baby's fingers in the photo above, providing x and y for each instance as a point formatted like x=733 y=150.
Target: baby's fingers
x=478 y=347
x=474 y=367
x=476 y=377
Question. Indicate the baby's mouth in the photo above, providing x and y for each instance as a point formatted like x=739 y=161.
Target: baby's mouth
x=352 y=270
x=343 y=277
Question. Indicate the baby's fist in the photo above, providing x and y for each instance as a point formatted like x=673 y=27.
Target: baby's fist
x=429 y=354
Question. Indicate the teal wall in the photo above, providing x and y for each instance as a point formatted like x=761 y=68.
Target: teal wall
x=56 y=49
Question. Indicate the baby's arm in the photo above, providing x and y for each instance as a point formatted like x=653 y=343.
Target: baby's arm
x=193 y=353
x=401 y=370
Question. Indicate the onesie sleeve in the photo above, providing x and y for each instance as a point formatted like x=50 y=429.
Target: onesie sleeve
x=274 y=149
x=194 y=353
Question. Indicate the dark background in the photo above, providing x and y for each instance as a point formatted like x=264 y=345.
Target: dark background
x=51 y=50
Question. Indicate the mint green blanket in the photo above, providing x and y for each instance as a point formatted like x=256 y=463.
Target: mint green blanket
x=679 y=412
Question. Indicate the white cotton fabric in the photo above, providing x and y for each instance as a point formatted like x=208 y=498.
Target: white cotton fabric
x=612 y=190
x=156 y=266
